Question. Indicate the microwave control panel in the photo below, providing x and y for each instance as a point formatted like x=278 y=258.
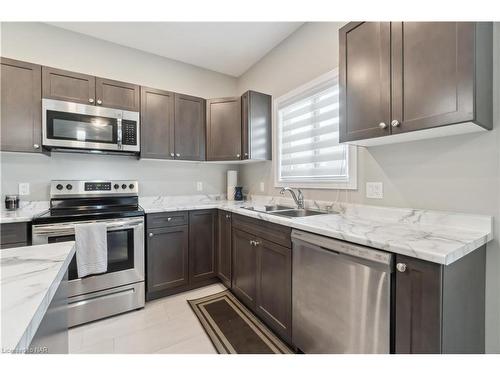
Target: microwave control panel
x=129 y=133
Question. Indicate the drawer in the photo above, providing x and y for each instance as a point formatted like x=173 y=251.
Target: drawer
x=12 y=233
x=166 y=219
x=263 y=229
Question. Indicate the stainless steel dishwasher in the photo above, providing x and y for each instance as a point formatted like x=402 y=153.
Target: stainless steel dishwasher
x=341 y=296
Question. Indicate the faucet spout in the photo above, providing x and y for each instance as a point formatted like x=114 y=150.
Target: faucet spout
x=298 y=198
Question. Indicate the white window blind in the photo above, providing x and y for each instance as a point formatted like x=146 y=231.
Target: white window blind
x=308 y=136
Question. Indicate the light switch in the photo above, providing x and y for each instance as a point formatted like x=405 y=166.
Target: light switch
x=24 y=188
x=199 y=186
x=375 y=190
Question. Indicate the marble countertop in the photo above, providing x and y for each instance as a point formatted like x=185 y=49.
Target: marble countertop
x=435 y=236
x=24 y=213
x=30 y=276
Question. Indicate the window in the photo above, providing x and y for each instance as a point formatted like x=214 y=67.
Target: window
x=308 y=153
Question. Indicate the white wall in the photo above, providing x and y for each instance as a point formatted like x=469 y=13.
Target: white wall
x=460 y=173
x=48 y=45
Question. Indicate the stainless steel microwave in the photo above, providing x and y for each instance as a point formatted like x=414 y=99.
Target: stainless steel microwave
x=74 y=126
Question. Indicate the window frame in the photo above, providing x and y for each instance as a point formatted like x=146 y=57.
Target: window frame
x=352 y=160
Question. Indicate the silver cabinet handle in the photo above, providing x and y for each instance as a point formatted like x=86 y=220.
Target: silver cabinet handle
x=401 y=267
x=246 y=153
x=172 y=154
x=251 y=242
x=151 y=234
x=237 y=155
x=178 y=155
x=169 y=218
x=256 y=243
x=36 y=145
x=395 y=123
x=228 y=216
x=99 y=101
x=91 y=100
x=382 y=125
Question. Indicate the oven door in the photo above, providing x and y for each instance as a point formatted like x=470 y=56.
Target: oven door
x=81 y=126
x=125 y=253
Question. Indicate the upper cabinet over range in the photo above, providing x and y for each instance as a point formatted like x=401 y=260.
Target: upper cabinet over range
x=81 y=88
x=404 y=81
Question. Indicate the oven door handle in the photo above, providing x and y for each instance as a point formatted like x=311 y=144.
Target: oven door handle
x=70 y=228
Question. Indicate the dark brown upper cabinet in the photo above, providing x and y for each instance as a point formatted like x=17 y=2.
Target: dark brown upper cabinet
x=172 y=125
x=202 y=234
x=189 y=127
x=82 y=88
x=116 y=94
x=21 y=101
x=401 y=77
x=224 y=258
x=157 y=124
x=224 y=129
x=68 y=86
x=256 y=132
x=365 y=69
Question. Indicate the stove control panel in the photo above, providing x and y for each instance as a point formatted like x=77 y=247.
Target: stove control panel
x=61 y=188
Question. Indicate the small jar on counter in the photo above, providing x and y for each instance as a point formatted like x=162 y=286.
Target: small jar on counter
x=11 y=202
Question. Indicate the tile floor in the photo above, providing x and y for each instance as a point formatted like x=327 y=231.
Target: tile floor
x=164 y=326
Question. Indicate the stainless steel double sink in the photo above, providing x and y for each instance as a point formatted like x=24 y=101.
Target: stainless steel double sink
x=285 y=211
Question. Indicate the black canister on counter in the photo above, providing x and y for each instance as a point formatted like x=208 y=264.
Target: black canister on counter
x=11 y=202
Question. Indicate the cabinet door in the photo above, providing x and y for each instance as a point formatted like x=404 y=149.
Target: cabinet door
x=21 y=111
x=167 y=258
x=224 y=129
x=157 y=124
x=189 y=127
x=202 y=245
x=365 y=82
x=256 y=130
x=244 y=267
x=69 y=86
x=274 y=287
x=418 y=307
x=116 y=94
x=432 y=74
x=224 y=248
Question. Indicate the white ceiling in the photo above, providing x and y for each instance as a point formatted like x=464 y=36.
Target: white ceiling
x=226 y=47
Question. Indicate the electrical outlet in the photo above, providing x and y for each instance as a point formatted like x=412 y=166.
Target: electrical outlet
x=24 y=188
x=375 y=190
x=262 y=187
x=199 y=186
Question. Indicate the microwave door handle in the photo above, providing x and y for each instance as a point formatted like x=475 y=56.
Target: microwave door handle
x=119 y=133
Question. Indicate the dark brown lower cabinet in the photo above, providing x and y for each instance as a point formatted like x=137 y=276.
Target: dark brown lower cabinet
x=15 y=235
x=180 y=251
x=274 y=287
x=440 y=309
x=244 y=267
x=167 y=259
x=262 y=272
x=224 y=258
x=202 y=245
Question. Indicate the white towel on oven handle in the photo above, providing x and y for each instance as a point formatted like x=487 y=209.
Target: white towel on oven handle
x=91 y=248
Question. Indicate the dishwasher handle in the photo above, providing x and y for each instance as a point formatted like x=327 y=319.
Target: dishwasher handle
x=344 y=248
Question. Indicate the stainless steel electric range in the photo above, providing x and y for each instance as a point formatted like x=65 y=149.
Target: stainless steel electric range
x=115 y=203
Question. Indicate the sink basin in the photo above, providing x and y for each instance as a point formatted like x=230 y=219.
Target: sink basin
x=297 y=213
x=269 y=208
